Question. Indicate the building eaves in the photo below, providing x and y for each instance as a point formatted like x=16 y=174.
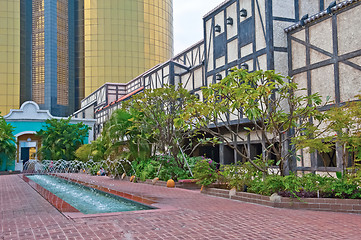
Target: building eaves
x=120 y=99
x=188 y=49
x=215 y=9
x=320 y=14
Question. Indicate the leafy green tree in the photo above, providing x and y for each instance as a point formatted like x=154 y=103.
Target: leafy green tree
x=7 y=143
x=60 y=139
x=120 y=136
x=157 y=111
x=84 y=152
x=98 y=149
x=262 y=104
x=341 y=131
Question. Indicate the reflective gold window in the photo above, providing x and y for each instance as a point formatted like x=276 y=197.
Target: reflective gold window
x=124 y=38
x=38 y=54
x=62 y=53
x=9 y=55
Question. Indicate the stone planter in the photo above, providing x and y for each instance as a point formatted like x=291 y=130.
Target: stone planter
x=318 y=204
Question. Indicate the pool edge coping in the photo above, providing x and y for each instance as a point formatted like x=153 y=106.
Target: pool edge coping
x=157 y=207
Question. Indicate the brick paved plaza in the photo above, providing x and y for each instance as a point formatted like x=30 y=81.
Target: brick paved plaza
x=183 y=214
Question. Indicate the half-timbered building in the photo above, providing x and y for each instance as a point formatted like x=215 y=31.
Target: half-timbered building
x=317 y=42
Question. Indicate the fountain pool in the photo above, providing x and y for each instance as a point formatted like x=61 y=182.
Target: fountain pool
x=85 y=199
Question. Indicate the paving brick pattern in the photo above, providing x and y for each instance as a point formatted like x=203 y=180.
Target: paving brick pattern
x=24 y=214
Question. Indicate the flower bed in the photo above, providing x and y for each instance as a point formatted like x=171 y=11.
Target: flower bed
x=183 y=183
x=318 y=204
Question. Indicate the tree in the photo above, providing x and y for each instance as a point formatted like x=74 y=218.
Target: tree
x=341 y=132
x=157 y=111
x=84 y=152
x=7 y=143
x=120 y=133
x=261 y=104
x=60 y=139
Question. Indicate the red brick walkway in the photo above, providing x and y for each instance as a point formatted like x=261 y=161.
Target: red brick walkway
x=24 y=214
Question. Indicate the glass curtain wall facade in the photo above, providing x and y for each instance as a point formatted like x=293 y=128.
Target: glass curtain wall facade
x=56 y=52
x=62 y=53
x=38 y=52
x=53 y=41
x=79 y=51
x=124 y=38
x=9 y=55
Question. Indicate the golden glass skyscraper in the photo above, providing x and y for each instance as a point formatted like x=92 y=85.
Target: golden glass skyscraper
x=124 y=38
x=56 y=52
x=9 y=55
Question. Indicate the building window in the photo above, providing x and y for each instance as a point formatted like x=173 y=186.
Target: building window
x=327 y=159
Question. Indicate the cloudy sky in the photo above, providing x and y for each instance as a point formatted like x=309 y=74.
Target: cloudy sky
x=188 y=23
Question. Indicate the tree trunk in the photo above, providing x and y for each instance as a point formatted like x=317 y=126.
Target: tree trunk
x=285 y=168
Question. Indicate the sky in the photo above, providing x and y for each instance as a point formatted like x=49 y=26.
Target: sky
x=188 y=21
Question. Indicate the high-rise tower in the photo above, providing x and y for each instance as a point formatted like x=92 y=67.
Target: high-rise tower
x=53 y=42
x=124 y=38
x=55 y=52
x=9 y=55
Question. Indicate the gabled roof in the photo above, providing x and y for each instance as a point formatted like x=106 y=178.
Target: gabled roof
x=30 y=111
x=321 y=14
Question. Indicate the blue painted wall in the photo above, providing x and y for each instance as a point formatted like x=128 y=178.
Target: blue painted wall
x=30 y=126
x=26 y=126
x=19 y=127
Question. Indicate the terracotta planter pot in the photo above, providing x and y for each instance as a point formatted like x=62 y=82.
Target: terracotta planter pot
x=170 y=183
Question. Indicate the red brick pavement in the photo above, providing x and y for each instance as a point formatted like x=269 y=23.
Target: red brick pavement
x=24 y=214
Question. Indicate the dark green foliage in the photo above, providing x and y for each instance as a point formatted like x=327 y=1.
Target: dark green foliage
x=171 y=170
x=267 y=186
x=309 y=185
x=146 y=169
x=157 y=111
x=340 y=188
x=60 y=139
x=162 y=166
x=238 y=176
x=205 y=172
x=84 y=152
x=7 y=143
x=143 y=129
x=98 y=149
x=121 y=131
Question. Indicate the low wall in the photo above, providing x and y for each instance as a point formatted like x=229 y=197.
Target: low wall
x=191 y=185
x=318 y=204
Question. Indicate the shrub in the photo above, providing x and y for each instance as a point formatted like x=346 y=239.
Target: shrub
x=94 y=169
x=233 y=176
x=205 y=172
x=145 y=169
x=162 y=166
x=308 y=185
x=239 y=176
x=269 y=185
x=312 y=182
x=83 y=153
x=342 y=187
x=169 y=169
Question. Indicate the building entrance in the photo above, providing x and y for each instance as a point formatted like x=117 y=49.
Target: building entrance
x=28 y=150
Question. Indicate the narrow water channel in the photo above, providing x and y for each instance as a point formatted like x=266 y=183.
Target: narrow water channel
x=87 y=200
